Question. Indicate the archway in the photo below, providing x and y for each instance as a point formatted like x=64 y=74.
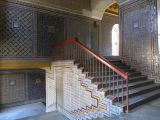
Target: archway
x=115 y=40
x=98 y=7
x=110 y=18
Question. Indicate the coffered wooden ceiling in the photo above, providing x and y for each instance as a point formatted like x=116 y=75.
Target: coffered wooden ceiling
x=113 y=9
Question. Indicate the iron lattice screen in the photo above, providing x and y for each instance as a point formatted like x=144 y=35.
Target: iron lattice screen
x=16 y=31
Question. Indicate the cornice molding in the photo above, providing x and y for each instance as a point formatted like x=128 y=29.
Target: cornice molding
x=124 y=2
x=38 y=4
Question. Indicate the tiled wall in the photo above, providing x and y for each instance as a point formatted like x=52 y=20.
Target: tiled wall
x=36 y=85
x=21 y=86
x=27 y=31
x=74 y=95
x=12 y=88
x=50 y=29
x=16 y=31
x=139 y=41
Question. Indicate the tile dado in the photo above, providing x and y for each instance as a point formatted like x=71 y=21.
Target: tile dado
x=74 y=95
x=19 y=87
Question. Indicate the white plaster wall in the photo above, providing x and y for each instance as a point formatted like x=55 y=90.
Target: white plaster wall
x=59 y=87
x=105 y=43
x=50 y=90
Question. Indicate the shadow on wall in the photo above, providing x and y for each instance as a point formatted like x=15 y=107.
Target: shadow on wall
x=36 y=85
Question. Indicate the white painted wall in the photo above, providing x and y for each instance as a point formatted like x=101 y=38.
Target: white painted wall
x=50 y=90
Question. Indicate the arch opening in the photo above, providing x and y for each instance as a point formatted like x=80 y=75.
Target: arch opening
x=115 y=40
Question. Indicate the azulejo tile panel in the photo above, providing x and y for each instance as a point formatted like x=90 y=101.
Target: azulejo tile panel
x=16 y=31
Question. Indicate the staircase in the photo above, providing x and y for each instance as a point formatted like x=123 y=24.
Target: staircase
x=141 y=89
x=125 y=87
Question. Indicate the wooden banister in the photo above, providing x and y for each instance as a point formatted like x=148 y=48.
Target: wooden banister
x=97 y=56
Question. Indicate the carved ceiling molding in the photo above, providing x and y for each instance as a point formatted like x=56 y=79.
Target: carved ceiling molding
x=39 y=4
x=113 y=9
x=98 y=7
x=121 y=2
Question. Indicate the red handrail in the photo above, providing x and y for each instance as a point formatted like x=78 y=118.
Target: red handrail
x=98 y=57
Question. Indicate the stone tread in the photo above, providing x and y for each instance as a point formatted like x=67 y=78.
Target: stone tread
x=133 y=102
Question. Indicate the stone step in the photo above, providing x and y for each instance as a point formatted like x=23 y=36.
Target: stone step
x=117 y=79
x=132 y=74
x=138 y=90
x=141 y=99
x=141 y=89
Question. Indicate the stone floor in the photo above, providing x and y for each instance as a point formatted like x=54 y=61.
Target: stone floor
x=22 y=111
x=48 y=116
x=150 y=111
